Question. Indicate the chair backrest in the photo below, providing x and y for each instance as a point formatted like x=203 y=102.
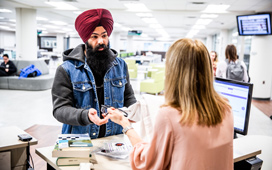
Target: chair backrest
x=131 y=64
x=158 y=76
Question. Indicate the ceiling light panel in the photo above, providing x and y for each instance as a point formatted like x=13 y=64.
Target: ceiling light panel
x=216 y=8
x=5 y=10
x=136 y=7
x=61 y=5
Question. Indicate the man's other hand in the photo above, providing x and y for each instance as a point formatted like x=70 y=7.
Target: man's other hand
x=95 y=119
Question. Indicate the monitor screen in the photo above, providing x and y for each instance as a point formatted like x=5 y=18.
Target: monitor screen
x=256 y=24
x=239 y=95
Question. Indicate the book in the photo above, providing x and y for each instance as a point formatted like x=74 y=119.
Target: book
x=75 y=161
x=73 y=145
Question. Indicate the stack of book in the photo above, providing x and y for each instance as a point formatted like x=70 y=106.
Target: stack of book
x=73 y=149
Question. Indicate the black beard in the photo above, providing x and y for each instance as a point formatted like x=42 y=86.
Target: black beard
x=99 y=61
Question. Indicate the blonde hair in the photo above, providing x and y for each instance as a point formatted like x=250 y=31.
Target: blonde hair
x=189 y=84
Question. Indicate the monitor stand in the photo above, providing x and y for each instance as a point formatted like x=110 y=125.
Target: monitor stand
x=235 y=135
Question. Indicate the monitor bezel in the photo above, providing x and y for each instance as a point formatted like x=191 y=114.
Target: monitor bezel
x=250 y=90
x=253 y=15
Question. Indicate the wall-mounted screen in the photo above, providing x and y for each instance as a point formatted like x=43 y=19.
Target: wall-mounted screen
x=256 y=24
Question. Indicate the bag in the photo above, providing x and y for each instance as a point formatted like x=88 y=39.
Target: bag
x=235 y=71
x=29 y=71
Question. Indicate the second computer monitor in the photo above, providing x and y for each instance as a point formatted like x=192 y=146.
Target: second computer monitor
x=239 y=95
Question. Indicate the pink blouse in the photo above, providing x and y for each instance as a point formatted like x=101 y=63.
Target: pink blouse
x=182 y=147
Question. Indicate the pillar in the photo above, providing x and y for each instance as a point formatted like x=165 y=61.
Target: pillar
x=26 y=34
x=260 y=70
x=60 y=43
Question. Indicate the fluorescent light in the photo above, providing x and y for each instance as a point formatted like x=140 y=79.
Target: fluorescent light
x=216 y=8
x=41 y=19
x=150 y=20
x=137 y=7
x=191 y=33
x=208 y=16
x=203 y=21
x=61 y=5
x=4 y=27
x=144 y=14
x=12 y=20
x=155 y=26
x=2 y=18
x=58 y=22
x=198 y=27
x=5 y=10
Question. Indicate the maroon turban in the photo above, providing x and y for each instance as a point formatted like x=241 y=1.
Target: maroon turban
x=87 y=22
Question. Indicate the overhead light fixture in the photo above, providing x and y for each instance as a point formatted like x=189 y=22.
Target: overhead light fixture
x=58 y=22
x=5 y=10
x=4 y=27
x=208 y=16
x=191 y=33
x=203 y=21
x=2 y=18
x=136 y=7
x=12 y=20
x=216 y=8
x=61 y=5
x=144 y=14
x=150 y=20
x=41 y=19
x=198 y=27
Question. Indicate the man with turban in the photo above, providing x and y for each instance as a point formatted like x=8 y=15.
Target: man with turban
x=90 y=76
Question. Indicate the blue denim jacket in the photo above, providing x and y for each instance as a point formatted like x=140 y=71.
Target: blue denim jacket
x=85 y=94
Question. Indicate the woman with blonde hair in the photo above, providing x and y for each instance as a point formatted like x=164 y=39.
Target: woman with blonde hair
x=194 y=128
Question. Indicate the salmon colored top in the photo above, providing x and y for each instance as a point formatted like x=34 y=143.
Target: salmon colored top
x=175 y=147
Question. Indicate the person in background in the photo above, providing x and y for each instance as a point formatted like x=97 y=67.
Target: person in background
x=214 y=58
x=7 y=67
x=232 y=67
x=91 y=76
x=194 y=128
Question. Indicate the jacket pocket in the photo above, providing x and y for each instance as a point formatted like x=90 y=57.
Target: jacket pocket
x=82 y=86
x=83 y=94
x=118 y=88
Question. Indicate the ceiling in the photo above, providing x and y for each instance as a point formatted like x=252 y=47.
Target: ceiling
x=176 y=18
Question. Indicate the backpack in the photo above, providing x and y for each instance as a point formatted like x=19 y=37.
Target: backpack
x=30 y=71
x=235 y=71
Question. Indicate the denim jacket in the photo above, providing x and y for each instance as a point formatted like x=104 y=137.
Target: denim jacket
x=83 y=95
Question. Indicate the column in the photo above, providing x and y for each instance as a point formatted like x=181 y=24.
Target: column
x=260 y=70
x=115 y=41
x=60 y=43
x=26 y=34
x=242 y=48
x=223 y=42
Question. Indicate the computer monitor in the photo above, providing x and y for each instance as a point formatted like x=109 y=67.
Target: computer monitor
x=239 y=95
x=254 y=24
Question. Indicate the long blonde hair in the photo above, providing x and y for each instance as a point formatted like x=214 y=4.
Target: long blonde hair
x=189 y=84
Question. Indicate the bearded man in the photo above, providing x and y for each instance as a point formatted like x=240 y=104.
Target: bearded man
x=90 y=76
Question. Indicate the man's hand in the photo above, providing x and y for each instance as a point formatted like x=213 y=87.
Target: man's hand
x=95 y=119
